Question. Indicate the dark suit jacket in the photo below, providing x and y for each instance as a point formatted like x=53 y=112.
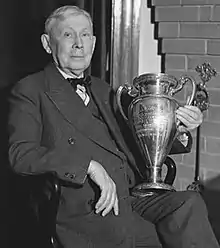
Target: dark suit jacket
x=50 y=129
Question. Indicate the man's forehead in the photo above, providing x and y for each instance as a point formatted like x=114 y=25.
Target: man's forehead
x=70 y=19
x=72 y=14
x=65 y=21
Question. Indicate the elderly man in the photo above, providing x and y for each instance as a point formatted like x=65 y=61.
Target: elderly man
x=60 y=120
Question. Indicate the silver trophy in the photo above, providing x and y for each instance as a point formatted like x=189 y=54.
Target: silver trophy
x=151 y=116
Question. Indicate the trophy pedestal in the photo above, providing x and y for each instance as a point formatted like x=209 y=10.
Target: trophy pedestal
x=149 y=189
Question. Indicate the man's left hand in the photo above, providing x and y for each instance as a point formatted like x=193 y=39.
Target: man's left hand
x=190 y=116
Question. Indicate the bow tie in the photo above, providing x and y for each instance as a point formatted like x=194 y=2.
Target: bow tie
x=85 y=81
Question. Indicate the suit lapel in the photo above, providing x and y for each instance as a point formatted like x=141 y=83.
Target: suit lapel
x=109 y=118
x=63 y=97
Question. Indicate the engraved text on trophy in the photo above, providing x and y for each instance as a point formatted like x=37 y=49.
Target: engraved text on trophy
x=153 y=119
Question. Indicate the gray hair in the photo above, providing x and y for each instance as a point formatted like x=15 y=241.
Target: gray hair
x=60 y=14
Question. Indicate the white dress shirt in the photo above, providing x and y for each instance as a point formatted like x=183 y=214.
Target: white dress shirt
x=81 y=90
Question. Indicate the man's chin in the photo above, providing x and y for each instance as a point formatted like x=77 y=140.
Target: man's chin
x=78 y=70
x=78 y=65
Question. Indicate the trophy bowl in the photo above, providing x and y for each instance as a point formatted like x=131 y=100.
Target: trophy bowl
x=151 y=117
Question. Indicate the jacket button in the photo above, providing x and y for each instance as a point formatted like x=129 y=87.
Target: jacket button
x=72 y=176
x=71 y=141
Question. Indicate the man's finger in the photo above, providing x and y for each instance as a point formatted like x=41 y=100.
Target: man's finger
x=184 y=120
x=110 y=204
x=101 y=200
x=188 y=120
x=187 y=113
x=106 y=202
x=191 y=111
x=189 y=124
x=116 y=207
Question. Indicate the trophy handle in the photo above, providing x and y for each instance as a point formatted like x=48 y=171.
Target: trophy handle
x=181 y=83
x=126 y=89
x=171 y=170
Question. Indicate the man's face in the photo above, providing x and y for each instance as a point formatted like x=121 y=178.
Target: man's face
x=71 y=43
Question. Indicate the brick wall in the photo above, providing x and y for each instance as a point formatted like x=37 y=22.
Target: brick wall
x=189 y=34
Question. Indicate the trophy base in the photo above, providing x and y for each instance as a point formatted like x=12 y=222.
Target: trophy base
x=149 y=189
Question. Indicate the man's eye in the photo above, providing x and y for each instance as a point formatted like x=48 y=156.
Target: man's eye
x=86 y=35
x=67 y=35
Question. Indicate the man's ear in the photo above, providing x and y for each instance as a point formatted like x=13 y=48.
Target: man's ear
x=94 y=41
x=45 y=40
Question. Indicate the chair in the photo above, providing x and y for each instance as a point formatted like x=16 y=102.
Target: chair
x=44 y=194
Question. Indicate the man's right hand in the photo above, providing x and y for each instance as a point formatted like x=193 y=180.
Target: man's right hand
x=108 y=199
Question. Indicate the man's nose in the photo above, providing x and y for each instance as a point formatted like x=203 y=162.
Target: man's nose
x=78 y=42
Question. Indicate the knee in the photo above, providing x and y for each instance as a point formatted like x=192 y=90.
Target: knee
x=191 y=208
x=194 y=201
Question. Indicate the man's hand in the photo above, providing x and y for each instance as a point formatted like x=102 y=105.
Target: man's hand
x=190 y=116
x=108 y=199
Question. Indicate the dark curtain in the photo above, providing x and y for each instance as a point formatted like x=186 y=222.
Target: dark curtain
x=22 y=52
x=21 y=25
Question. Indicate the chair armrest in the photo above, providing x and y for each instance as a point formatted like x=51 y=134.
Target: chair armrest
x=37 y=182
x=44 y=190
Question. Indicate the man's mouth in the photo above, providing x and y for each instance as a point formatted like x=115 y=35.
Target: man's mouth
x=77 y=57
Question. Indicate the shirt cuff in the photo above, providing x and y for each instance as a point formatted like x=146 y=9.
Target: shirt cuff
x=183 y=138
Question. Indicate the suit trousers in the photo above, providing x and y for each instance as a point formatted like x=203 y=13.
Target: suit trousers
x=181 y=219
